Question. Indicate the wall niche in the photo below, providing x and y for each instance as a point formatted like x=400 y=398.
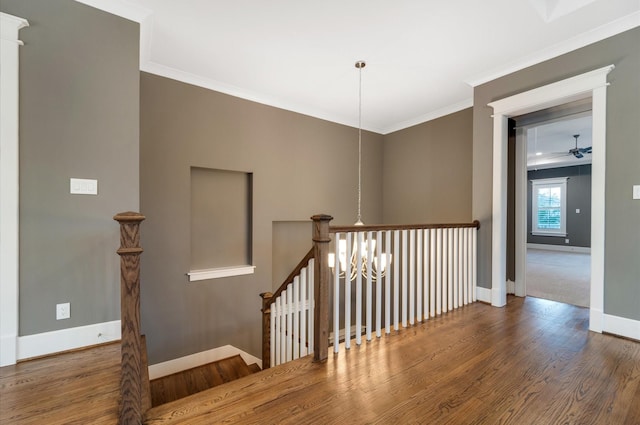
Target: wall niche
x=221 y=223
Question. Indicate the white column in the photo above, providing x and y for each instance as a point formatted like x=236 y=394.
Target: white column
x=9 y=206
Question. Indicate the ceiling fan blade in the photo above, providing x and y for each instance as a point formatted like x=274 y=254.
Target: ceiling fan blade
x=578 y=154
x=585 y=150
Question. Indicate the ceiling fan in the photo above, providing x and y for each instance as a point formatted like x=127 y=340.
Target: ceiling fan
x=578 y=152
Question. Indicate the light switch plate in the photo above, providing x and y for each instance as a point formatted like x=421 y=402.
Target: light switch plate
x=636 y=191
x=83 y=186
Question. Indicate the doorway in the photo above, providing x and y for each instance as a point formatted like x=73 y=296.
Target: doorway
x=558 y=144
x=589 y=85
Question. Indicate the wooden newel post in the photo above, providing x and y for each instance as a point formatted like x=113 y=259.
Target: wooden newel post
x=266 y=329
x=130 y=407
x=321 y=241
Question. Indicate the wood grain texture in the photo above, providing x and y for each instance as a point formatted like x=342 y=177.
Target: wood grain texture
x=80 y=387
x=321 y=282
x=131 y=385
x=531 y=362
x=182 y=384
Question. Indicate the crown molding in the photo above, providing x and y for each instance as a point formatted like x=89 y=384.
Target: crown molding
x=597 y=34
x=450 y=109
x=207 y=83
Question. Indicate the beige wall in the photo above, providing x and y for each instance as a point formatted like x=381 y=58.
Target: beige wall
x=79 y=107
x=622 y=213
x=301 y=166
x=427 y=171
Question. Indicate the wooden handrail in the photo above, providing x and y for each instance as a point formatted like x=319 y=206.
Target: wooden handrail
x=376 y=227
x=130 y=408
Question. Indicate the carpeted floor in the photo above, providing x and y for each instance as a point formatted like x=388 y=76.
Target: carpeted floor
x=559 y=276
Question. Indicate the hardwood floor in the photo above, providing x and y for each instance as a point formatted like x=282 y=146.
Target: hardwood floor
x=533 y=362
x=201 y=378
x=80 y=387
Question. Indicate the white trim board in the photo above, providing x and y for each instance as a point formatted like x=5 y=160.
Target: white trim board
x=169 y=367
x=621 y=326
x=67 y=339
x=563 y=248
x=483 y=294
x=591 y=84
x=9 y=185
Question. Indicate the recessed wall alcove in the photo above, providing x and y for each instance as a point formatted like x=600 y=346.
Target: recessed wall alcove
x=221 y=223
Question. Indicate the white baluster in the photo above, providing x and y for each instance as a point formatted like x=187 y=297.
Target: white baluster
x=419 y=274
x=278 y=345
x=445 y=270
x=288 y=334
x=459 y=280
x=304 y=283
x=360 y=241
x=273 y=335
x=450 y=269
x=336 y=294
x=387 y=283
x=454 y=268
x=474 y=262
x=296 y=316
x=433 y=236
x=426 y=255
x=439 y=272
x=404 y=279
x=312 y=304
x=396 y=279
x=465 y=268
x=369 y=259
x=379 y=284
x=347 y=294
x=412 y=276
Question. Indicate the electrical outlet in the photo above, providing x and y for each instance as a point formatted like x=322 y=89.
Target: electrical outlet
x=63 y=311
x=566 y=241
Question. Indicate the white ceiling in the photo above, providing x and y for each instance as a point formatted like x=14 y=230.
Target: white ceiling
x=548 y=144
x=423 y=56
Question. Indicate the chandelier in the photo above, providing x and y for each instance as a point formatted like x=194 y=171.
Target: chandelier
x=363 y=254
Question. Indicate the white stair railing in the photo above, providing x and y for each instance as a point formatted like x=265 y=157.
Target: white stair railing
x=382 y=278
x=429 y=270
x=288 y=317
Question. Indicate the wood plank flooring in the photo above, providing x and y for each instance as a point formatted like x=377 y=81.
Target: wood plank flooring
x=532 y=362
x=191 y=381
x=80 y=387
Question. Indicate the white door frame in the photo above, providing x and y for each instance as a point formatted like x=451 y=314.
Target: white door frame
x=591 y=84
x=9 y=178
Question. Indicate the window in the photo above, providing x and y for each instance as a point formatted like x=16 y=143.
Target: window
x=548 y=207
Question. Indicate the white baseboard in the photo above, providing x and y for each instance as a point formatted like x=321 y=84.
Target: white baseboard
x=483 y=294
x=8 y=350
x=67 y=339
x=511 y=287
x=564 y=248
x=621 y=326
x=169 y=367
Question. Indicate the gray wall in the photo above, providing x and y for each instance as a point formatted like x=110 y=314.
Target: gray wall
x=578 y=197
x=427 y=171
x=622 y=240
x=79 y=115
x=301 y=166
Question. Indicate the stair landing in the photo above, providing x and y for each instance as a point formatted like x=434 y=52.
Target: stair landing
x=191 y=381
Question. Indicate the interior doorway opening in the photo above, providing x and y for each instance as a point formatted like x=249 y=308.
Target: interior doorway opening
x=558 y=147
x=592 y=85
